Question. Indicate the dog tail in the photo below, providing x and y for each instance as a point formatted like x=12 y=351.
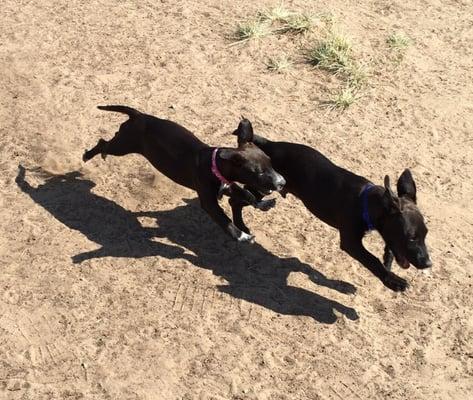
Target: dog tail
x=131 y=112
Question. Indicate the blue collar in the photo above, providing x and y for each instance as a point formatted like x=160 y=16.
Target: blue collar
x=364 y=204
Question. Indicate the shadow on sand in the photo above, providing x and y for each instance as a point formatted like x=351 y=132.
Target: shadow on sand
x=252 y=273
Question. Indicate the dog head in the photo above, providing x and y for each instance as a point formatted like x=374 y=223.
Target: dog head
x=250 y=165
x=402 y=225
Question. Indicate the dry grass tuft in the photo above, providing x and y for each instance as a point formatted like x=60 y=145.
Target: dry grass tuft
x=398 y=42
x=276 y=14
x=280 y=64
x=344 y=99
x=297 y=23
x=250 y=30
x=332 y=54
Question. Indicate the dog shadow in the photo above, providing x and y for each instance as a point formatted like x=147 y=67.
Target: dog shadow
x=253 y=274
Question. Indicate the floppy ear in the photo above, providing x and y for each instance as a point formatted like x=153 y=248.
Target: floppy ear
x=244 y=132
x=406 y=186
x=390 y=201
x=231 y=155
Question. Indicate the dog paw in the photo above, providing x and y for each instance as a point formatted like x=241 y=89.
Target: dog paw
x=395 y=283
x=85 y=157
x=265 y=205
x=245 y=237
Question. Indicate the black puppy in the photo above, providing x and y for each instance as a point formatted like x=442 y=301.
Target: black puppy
x=351 y=204
x=178 y=154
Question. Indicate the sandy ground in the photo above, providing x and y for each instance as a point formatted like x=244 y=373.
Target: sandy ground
x=115 y=285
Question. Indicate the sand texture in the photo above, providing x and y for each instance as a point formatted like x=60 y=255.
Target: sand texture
x=115 y=285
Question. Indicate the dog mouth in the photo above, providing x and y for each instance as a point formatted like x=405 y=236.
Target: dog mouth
x=265 y=192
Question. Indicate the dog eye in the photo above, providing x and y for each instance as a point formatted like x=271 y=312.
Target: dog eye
x=412 y=239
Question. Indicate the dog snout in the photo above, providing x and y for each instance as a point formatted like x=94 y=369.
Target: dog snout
x=428 y=263
x=424 y=262
x=280 y=182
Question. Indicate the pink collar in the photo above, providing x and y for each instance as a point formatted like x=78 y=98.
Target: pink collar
x=215 y=170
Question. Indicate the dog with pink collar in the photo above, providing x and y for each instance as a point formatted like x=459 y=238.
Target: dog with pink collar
x=181 y=156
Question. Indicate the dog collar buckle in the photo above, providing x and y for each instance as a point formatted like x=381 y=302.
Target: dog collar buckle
x=217 y=173
x=365 y=214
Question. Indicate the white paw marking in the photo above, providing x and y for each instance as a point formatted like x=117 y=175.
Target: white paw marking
x=244 y=237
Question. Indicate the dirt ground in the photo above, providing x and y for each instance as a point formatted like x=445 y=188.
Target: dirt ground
x=115 y=285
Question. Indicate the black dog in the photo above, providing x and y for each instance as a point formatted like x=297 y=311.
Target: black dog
x=179 y=155
x=351 y=204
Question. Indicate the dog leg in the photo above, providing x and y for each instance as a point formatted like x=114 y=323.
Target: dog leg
x=243 y=197
x=120 y=145
x=260 y=204
x=237 y=208
x=209 y=203
x=265 y=205
x=248 y=196
x=388 y=258
x=99 y=148
x=352 y=244
x=239 y=198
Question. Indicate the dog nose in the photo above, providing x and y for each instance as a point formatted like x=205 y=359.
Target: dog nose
x=424 y=262
x=280 y=182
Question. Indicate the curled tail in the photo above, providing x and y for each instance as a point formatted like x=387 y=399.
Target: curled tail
x=131 y=112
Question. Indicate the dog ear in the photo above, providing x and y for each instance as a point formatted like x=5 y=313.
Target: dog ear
x=406 y=186
x=231 y=155
x=244 y=132
x=237 y=130
x=390 y=201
